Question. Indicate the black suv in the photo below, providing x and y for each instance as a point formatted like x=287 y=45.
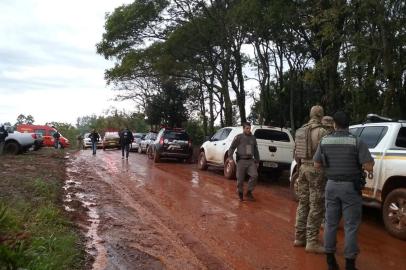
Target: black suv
x=172 y=143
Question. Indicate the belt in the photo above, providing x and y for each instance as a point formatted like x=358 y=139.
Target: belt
x=246 y=158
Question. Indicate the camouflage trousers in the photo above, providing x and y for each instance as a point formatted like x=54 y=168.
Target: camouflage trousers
x=310 y=211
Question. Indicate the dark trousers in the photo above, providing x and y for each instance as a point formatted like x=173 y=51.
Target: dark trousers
x=245 y=167
x=94 y=147
x=125 y=147
x=342 y=200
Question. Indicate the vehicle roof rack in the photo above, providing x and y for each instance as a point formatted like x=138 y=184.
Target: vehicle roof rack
x=374 y=118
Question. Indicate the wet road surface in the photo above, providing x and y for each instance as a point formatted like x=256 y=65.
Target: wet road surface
x=169 y=215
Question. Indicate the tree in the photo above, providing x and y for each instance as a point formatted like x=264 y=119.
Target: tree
x=22 y=119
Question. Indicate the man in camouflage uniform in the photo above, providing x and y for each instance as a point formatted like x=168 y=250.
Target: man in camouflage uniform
x=311 y=184
x=328 y=123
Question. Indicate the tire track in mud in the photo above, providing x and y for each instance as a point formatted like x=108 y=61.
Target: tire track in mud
x=126 y=225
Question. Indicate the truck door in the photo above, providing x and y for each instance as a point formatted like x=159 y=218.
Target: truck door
x=221 y=146
x=372 y=136
x=211 y=146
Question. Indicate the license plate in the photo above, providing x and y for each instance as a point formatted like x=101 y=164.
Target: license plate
x=270 y=164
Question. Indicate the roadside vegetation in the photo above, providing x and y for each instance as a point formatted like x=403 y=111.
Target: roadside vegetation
x=35 y=233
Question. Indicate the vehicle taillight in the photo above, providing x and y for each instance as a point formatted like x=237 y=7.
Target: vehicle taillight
x=34 y=136
x=161 y=141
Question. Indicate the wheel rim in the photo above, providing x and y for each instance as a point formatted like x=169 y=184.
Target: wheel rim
x=397 y=214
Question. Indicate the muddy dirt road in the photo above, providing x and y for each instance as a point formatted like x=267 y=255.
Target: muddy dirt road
x=172 y=216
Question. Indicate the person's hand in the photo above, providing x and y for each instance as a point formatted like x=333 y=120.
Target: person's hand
x=257 y=164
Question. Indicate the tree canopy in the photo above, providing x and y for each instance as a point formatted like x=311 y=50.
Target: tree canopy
x=341 y=54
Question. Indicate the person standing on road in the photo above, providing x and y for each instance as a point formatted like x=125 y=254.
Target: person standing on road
x=56 y=136
x=344 y=158
x=94 y=138
x=80 y=141
x=247 y=160
x=311 y=183
x=126 y=138
x=3 y=136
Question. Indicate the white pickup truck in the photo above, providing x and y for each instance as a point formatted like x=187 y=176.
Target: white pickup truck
x=17 y=142
x=386 y=140
x=275 y=146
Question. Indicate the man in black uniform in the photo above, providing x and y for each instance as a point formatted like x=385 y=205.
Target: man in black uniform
x=344 y=158
x=126 y=138
x=3 y=136
x=94 y=138
x=247 y=160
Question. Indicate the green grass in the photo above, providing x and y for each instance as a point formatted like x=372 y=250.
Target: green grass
x=38 y=235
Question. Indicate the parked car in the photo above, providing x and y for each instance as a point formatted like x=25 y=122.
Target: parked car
x=47 y=133
x=171 y=143
x=87 y=142
x=137 y=139
x=144 y=143
x=111 y=139
x=386 y=139
x=275 y=146
x=17 y=142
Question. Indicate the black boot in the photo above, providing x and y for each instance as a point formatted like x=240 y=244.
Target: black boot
x=249 y=195
x=331 y=262
x=350 y=264
x=241 y=196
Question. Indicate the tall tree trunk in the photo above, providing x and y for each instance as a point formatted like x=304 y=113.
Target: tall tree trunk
x=228 y=107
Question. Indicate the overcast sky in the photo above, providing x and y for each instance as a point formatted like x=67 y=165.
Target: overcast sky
x=48 y=62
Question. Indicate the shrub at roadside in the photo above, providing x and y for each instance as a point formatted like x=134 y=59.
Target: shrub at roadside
x=34 y=232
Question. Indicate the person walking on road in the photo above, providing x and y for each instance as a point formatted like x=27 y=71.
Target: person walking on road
x=126 y=138
x=3 y=136
x=311 y=183
x=80 y=141
x=344 y=158
x=247 y=160
x=56 y=136
x=94 y=138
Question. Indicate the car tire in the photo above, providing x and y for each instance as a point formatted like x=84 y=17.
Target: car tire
x=229 y=169
x=294 y=186
x=202 y=162
x=12 y=148
x=394 y=213
x=157 y=158
x=150 y=153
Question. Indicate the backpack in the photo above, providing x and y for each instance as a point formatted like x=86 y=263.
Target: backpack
x=303 y=140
